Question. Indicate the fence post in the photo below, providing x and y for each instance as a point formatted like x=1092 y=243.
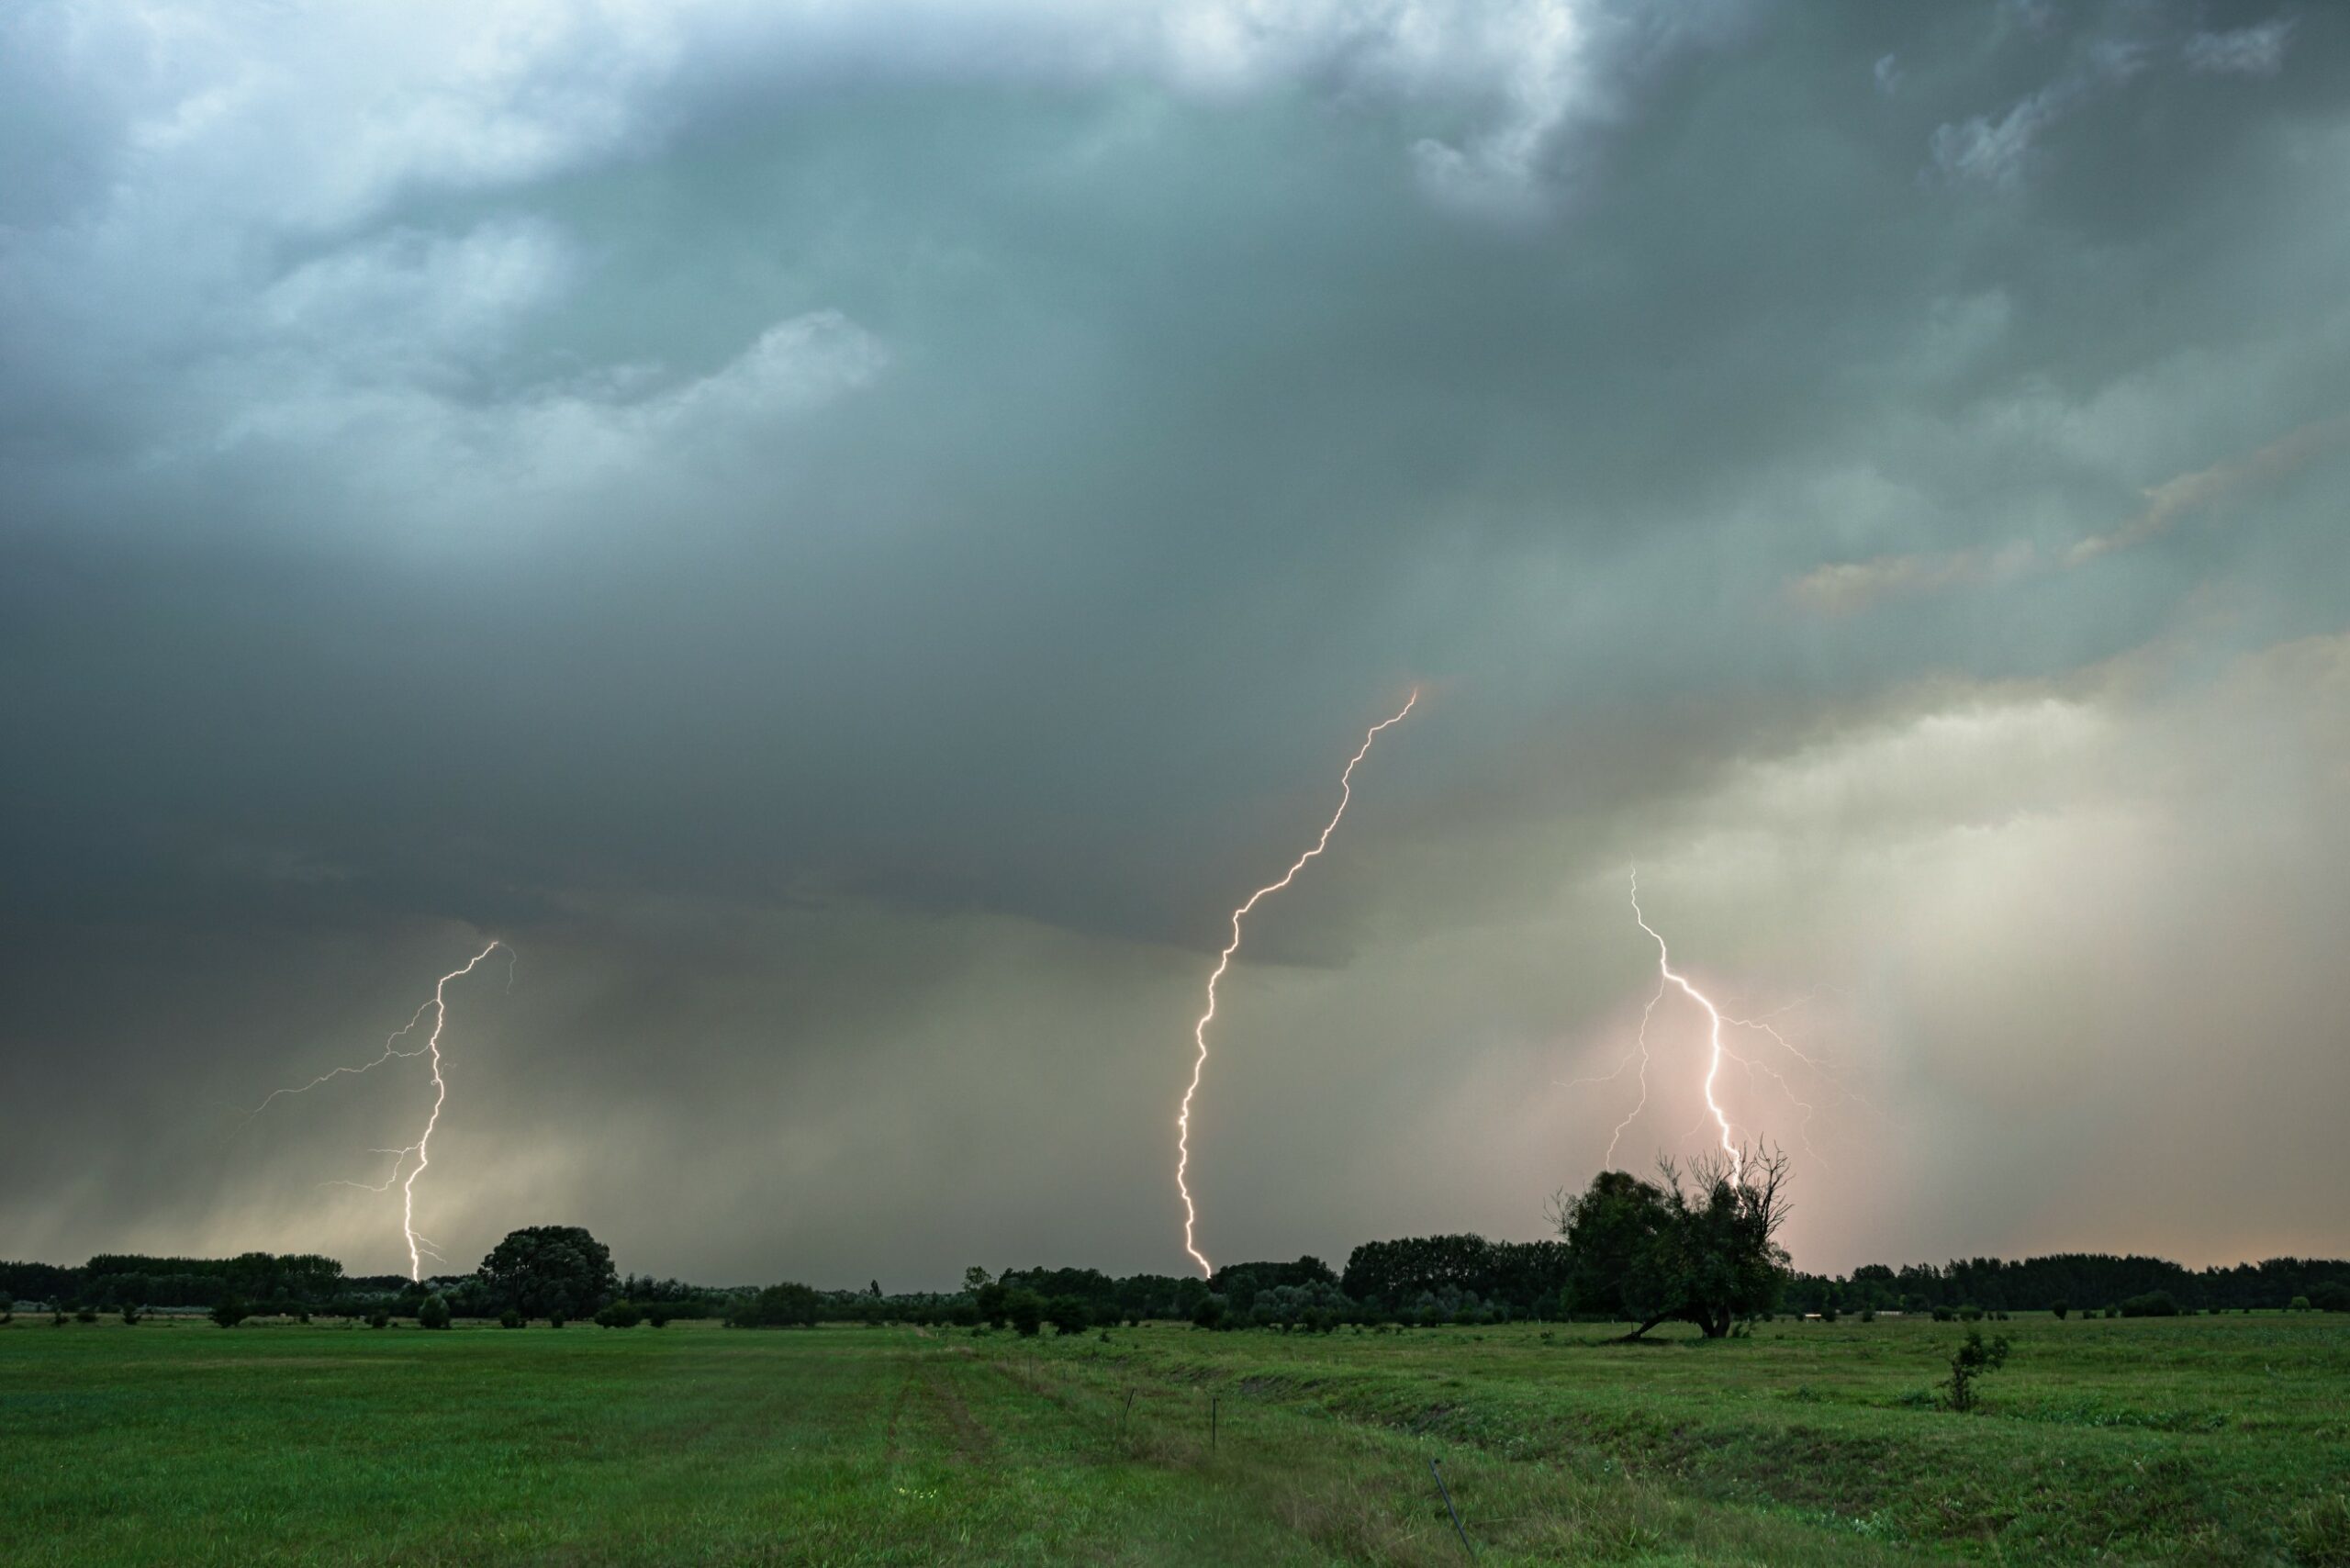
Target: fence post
x=1449 y=1508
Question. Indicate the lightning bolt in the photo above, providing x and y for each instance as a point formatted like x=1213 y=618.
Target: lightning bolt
x=1714 y=1060
x=418 y=1248
x=1224 y=962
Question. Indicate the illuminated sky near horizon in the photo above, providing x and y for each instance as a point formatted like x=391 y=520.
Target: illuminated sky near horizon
x=850 y=535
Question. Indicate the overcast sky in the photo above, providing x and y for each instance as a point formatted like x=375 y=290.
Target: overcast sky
x=850 y=536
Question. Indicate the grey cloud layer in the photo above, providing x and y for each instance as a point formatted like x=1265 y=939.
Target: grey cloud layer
x=940 y=488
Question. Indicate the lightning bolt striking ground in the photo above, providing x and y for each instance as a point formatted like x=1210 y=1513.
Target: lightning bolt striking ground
x=1224 y=962
x=419 y=1248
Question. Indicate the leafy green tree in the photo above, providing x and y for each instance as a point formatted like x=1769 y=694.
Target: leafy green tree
x=510 y=1318
x=991 y=1299
x=617 y=1314
x=2060 y=1308
x=657 y=1315
x=2330 y=1296
x=1069 y=1315
x=1209 y=1312
x=543 y=1271
x=975 y=1280
x=228 y=1312
x=434 y=1312
x=1025 y=1312
x=1705 y=1251
x=132 y=1315
x=2154 y=1303
x=379 y=1318
x=2298 y=1304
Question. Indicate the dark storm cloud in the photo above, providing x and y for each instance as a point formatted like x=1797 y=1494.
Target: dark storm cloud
x=941 y=488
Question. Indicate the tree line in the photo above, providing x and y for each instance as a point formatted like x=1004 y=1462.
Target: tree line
x=1695 y=1246
x=2074 y=1281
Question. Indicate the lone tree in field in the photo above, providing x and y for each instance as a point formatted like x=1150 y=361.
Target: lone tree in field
x=1702 y=1250
x=549 y=1270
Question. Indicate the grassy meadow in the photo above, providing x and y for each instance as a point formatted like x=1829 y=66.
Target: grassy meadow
x=2190 y=1440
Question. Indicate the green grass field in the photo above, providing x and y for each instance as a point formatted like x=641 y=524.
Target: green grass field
x=2194 y=1440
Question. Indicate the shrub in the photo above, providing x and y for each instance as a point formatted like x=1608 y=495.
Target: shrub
x=1069 y=1315
x=1970 y=1313
x=379 y=1318
x=1945 y=1315
x=509 y=1319
x=1868 y=1314
x=229 y=1312
x=1026 y=1311
x=1973 y=1359
x=2060 y=1309
x=1209 y=1313
x=619 y=1314
x=1828 y=1313
x=557 y=1320
x=132 y=1315
x=85 y=1315
x=2154 y=1303
x=433 y=1313
x=2332 y=1295
x=56 y=1319
x=657 y=1315
x=2298 y=1304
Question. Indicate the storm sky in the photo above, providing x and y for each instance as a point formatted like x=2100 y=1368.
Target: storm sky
x=850 y=536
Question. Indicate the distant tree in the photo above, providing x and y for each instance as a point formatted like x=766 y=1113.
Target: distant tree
x=1069 y=1315
x=543 y=1270
x=2154 y=1303
x=2298 y=1304
x=657 y=1315
x=228 y=1312
x=1209 y=1312
x=1025 y=1312
x=2060 y=1309
x=1973 y=1358
x=132 y=1315
x=787 y=1306
x=619 y=1314
x=1705 y=1251
x=2330 y=1296
x=990 y=1300
x=975 y=1279
x=556 y=1319
x=510 y=1318
x=85 y=1315
x=379 y=1318
x=432 y=1311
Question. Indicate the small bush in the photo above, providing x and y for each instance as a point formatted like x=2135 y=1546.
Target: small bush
x=657 y=1315
x=1973 y=1359
x=619 y=1314
x=557 y=1320
x=433 y=1313
x=1945 y=1315
x=509 y=1319
x=2154 y=1303
x=379 y=1318
x=85 y=1315
x=2331 y=1296
x=229 y=1312
x=2298 y=1304
x=1025 y=1310
x=2060 y=1309
x=132 y=1315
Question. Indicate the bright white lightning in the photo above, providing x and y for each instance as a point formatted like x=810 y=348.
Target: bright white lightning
x=1224 y=962
x=1714 y=1014
x=418 y=1248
